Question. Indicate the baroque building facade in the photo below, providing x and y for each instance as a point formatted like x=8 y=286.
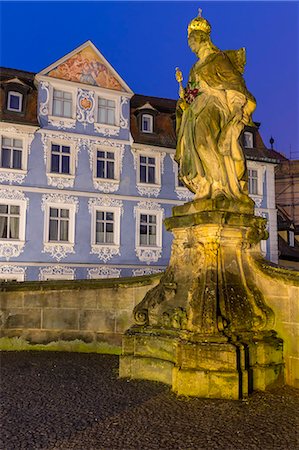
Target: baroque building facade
x=87 y=174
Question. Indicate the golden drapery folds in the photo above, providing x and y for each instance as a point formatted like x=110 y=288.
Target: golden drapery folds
x=211 y=113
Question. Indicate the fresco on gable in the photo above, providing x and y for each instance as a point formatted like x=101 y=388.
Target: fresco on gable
x=86 y=67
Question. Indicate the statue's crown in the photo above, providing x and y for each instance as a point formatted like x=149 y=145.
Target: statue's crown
x=200 y=24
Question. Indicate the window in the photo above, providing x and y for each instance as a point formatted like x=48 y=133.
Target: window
x=11 y=153
x=147 y=169
x=148 y=239
x=291 y=238
x=9 y=221
x=14 y=101
x=59 y=221
x=248 y=139
x=147 y=123
x=106 y=111
x=148 y=230
x=105 y=164
x=62 y=103
x=104 y=227
x=253 y=181
x=60 y=158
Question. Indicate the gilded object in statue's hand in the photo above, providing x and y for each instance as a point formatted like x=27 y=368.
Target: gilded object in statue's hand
x=178 y=75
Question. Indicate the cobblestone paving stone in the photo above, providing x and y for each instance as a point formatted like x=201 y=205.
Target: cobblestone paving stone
x=63 y=401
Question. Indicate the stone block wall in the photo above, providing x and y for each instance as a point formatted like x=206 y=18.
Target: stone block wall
x=42 y=312
x=281 y=290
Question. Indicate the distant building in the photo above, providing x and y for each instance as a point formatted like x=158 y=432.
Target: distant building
x=287 y=201
x=87 y=173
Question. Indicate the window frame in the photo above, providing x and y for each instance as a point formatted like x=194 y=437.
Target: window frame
x=71 y=230
x=261 y=170
x=112 y=97
x=116 y=210
x=249 y=135
x=27 y=137
x=22 y=221
x=159 y=229
x=62 y=87
x=60 y=180
x=16 y=94
x=151 y=122
x=116 y=164
x=157 y=157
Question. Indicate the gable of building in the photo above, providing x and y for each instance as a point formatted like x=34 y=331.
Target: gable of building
x=86 y=65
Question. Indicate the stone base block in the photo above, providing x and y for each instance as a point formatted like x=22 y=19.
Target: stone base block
x=203 y=369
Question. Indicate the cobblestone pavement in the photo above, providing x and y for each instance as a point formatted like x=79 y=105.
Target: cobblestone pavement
x=76 y=401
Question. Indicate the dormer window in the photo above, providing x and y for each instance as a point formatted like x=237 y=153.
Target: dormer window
x=14 y=101
x=248 y=139
x=147 y=123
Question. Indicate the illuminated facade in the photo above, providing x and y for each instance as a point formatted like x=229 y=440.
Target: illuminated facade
x=88 y=174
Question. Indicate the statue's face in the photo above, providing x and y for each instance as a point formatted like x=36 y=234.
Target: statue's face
x=194 y=42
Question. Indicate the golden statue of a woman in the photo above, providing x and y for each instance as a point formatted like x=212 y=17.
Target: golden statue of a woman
x=211 y=113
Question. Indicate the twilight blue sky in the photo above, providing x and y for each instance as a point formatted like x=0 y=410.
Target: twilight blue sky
x=145 y=41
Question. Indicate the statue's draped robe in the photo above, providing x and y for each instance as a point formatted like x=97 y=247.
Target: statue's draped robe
x=208 y=152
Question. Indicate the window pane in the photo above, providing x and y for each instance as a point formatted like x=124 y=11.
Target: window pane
x=64 y=213
x=67 y=95
x=143 y=229
x=109 y=238
x=102 y=115
x=53 y=230
x=109 y=227
x=109 y=216
x=65 y=164
x=14 y=102
x=3 y=209
x=100 y=169
x=110 y=170
x=110 y=155
x=14 y=209
x=151 y=175
x=151 y=161
x=152 y=219
x=3 y=227
x=17 y=143
x=5 y=160
x=7 y=142
x=53 y=212
x=17 y=159
x=58 y=94
x=57 y=108
x=55 y=163
x=143 y=174
x=67 y=109
x=111 y=119
x=100 y=215
x=66 y=149
x=64 y=230
x=14 y=228
x=143 y=239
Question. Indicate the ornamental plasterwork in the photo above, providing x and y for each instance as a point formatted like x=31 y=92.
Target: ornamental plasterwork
x=149 y=191
x=106 y=130
x=11 y=249
x=62 y=124
x=91 y=145
x=146 y=271
x=85 y=107
x=148 y=255
x=106 y=202
x=61 y=182
x=105 y=252
x=257 y=200
x=58 y=271
x=59 y=198
x=77 y=143
x=123 y=122
x=11 y=177
x=13 y=194
x=58 y=251
x=44 y=106
x=13 y=270
x=148 y=205
x=105 y=186
x=148 y=151
x=103 y=272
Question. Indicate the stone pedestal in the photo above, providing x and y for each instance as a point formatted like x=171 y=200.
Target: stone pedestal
x=205 y=329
